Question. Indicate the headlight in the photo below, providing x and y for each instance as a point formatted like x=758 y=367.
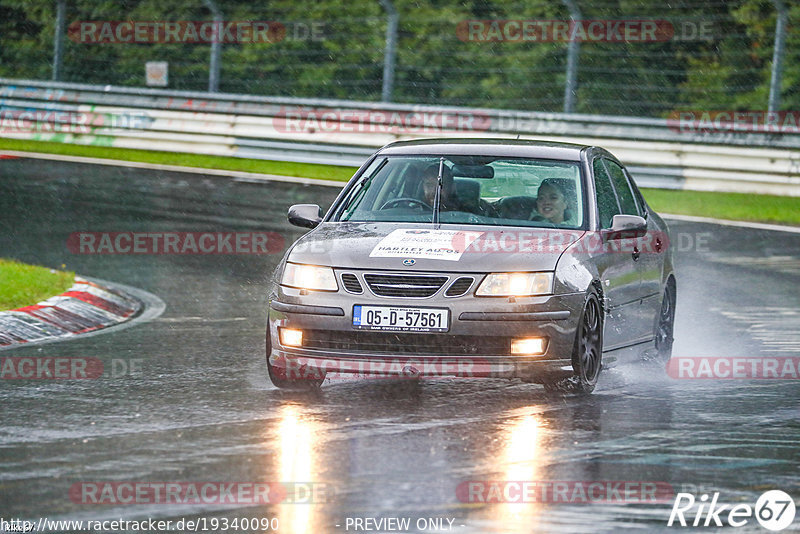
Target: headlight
x=516 y=285
x=312 y=277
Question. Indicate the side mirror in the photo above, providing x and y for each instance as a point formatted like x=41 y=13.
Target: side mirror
x=305 y=215
x=626 y=227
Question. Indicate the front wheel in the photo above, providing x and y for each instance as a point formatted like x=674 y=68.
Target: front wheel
x=666 y=324
x=587 y=354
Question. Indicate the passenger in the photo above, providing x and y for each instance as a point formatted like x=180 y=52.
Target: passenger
x=551 y=203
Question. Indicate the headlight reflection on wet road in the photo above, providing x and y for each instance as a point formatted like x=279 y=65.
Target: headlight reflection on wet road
x=297 y=469
x=521 y=461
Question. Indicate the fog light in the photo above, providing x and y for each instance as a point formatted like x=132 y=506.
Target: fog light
x=291 y=337
x=528 y=346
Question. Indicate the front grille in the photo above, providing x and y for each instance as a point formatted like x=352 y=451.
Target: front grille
x=459 y=287
x=351 y=283
x=406 y=343
x=404 y=285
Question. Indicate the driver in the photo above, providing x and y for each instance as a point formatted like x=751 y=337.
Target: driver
x=448 y=201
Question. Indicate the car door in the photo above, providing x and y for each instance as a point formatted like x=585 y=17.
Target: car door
x=617 y=269
x=651 y=263
x=646 y=260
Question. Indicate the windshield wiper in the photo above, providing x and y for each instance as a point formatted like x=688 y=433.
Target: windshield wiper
x=437 y=199
x=359 y=190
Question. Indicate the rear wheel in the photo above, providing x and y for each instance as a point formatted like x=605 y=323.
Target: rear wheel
x=666 y=323
x=587 y=354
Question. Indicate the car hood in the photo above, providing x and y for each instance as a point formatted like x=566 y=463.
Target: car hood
x=423 y=247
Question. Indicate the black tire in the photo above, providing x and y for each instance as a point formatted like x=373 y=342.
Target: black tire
x=587 y=354
x=587 y=357
x=665 y=326
x=279 y=379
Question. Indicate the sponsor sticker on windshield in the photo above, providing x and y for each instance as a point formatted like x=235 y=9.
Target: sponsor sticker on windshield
x=420 y=243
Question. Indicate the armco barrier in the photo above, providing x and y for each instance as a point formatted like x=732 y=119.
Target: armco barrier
x=346 y=132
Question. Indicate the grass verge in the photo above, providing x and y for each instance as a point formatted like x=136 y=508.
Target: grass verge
x=23 y=285
x=735 y=206
x=282 y=168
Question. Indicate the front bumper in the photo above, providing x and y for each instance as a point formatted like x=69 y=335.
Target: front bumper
x=476 y=345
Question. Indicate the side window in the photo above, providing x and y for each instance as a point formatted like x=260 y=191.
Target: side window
x=624 y=193
x=607 y=204
x=637 y=194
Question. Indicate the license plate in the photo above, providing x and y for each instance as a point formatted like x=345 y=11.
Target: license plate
x=401 y=319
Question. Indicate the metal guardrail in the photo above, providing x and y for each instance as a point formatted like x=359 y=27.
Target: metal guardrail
x=346 y=132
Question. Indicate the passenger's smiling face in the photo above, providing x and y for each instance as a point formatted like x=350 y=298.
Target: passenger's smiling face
x=550 y=203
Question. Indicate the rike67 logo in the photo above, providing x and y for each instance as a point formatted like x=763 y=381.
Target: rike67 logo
x=774 y=510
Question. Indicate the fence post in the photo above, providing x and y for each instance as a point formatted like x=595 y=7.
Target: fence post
x=390 y=50
x=571 y=83
x=58 y=39
x=777 y=56
x=216 y=48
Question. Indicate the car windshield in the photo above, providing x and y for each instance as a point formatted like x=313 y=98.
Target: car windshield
x=475 y=190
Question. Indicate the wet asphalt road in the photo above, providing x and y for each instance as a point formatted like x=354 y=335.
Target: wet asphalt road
x=200 y=408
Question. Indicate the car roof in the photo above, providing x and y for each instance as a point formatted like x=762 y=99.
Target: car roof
x=525 y=148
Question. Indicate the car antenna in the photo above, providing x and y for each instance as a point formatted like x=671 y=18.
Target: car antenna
x=437 y=199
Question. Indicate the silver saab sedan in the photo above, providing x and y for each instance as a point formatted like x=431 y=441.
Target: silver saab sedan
x=474 y=258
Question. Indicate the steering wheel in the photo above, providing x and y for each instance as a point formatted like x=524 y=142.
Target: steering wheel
x=408 y=200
